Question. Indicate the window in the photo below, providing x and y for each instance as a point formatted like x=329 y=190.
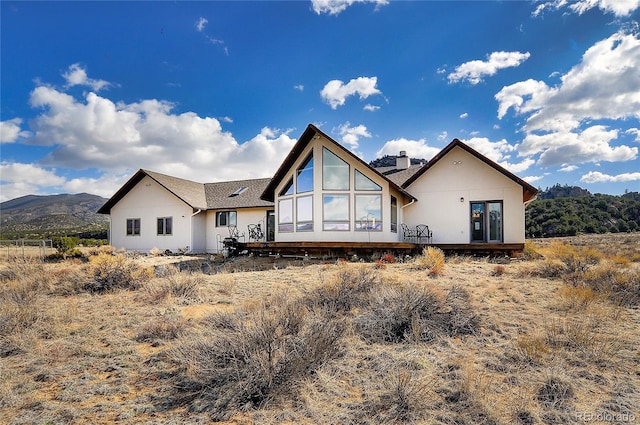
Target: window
x=365 y=183
x=304 y=181
x=285 y=215
x=335 y=212
x=368 y=212
x=165 y=225
x=226 y=218
x=133 y=227
x=394 y=214
x=287 y=189
x=304 y=213
x=335 y=172
x=238 y=191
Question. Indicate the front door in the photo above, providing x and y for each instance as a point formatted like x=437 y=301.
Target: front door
x=271 y=226
x=486 y=221
x=477 y=222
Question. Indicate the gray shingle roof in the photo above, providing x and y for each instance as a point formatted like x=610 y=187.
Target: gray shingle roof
x=219 y=195
x=398 y=176
x=190 y=192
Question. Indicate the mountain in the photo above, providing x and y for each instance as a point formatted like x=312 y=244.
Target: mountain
x=36 y=217
x=566 y=191
x=569 y=210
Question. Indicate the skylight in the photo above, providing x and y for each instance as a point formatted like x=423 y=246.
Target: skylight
x=239 y=191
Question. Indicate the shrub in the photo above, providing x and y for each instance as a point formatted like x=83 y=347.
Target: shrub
x=432 y=259
x=258 y=357
x=349 y=289
x=160 y=329
x=388 y=258
x=578 y=297
x=462 y=319
x=621 y=285
x=405 y=399
x=65 y=245
x=532 y=349
x=555 y=393
x=110 y=272
x=498 y=270
x=400 y=313
x=414 y=313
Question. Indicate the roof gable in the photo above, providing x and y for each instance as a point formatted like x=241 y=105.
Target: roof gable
x=189 y=192
x=298 y=149
x=198 y=195
x=528 y=191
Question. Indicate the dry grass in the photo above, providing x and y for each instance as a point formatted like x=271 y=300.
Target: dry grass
x=277 y=342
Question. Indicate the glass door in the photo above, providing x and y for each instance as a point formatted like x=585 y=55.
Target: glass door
x=495 y=221
x=486 y=221
x=271 y=226
x=477 y=222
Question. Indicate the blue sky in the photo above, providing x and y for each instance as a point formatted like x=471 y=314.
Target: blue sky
x=214 y=90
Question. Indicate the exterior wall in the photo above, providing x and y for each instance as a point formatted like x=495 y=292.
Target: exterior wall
x=199 y=237
x=148 y=201
x=245 y=216
x=446 y=191
x=320 y=235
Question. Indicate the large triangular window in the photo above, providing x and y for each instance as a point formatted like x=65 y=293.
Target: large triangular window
x=287 y=189
x=365 y=183
x=304 y=180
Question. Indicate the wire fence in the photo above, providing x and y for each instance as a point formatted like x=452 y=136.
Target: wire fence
x=26 y=248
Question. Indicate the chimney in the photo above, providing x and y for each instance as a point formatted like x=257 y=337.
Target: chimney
x=403 y=161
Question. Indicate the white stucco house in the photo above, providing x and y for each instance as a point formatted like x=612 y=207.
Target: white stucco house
x=323 y=194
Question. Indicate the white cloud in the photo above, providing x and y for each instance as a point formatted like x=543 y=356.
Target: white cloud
x=10 y=131
x=20 y=179
x=474 y=71
x=414 y=148
x=635 y=131
x=605 y=84
x=464 y=115
x=566 y=168
x=617 y=7
x=598 y=177
x=443 y=136
x=590 y=145
x=335 y=7
x=499 y=152
x=335 y=92
x=299 y=87
x=532 y=179
x=202 y=22
x=559 y=125
x=371 y=108
x=351 y=135
x=77 y=76
x=118 y=138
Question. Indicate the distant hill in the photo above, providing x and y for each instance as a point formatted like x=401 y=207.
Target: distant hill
x=569 y=210
x=390 y=161
x=34 y=216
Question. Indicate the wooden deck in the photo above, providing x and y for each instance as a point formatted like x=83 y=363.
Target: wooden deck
x=348 y=249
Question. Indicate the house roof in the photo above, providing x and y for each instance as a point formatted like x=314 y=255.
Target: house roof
x=221 y=195
x=529 y=192
x=398 y=176
x=198 y=195
x=296 y=151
